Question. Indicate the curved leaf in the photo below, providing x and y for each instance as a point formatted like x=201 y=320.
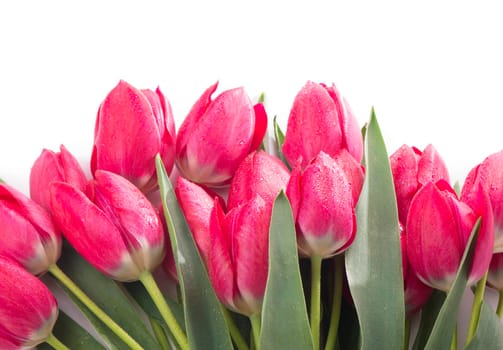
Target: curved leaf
x=204 y=320
x=284 y=317
x=429 y=314
x=489 y=333
x=373 y=262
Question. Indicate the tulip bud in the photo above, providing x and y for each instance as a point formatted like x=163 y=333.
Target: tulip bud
x=489 y=174
x=51 y=166
x=132 y=127
x=28 y=310
x=323 y=207
x=117 y=229
x=27 y=232
x=495 y=274
x=238 y=256
x=321 y=120
x=411 y=169
x=438 y=228
x=217 y=135
x=258 y=174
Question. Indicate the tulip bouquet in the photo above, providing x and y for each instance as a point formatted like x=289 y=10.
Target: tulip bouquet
x=220 y=235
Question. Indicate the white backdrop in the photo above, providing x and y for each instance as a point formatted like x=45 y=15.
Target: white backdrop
x=433 y=71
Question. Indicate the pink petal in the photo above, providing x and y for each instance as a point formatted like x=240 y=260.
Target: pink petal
x=260 y=126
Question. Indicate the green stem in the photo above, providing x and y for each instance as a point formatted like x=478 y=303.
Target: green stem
x=336 y=303
x=155 y=293
x=159 y=333
x=56 y=343
x=454 y=341
x=406 y=340
x=476 y=306
x=256 y=325
x=315 y=299
x=93 y=307
x=499 y=308
x=236 y=335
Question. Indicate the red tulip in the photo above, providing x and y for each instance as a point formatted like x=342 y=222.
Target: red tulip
x=411 y=169
x=50 y=166
x=132 y=127
x=28 y=310
x=238 y=257
x=321 y=120
x=438 y=228
x=117 y=229
x=323 y=206
x=27 y=232
x=489 y=173
x=259 y=174
x=217 y=135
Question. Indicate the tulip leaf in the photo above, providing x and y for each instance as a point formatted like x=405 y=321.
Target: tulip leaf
x=429 y=314
x=204 y=319
x=284 y=317
x=72 y=335
x=441 y=333
x=489 y=333
x=373 y=262
x=110 y=297
x=279 y=139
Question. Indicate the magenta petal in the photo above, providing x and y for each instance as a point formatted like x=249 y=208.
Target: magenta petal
x=260 y=126
x=431 y=167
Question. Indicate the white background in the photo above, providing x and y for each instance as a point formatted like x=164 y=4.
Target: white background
x=432 y=70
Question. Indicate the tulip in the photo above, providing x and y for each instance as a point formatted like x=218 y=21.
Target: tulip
x=132 y=127
x=117 y=229
x=323 y=206
x=217 y=135
x=411 y=169
x=438 y=228
x=51 y=166
x=27 y=233
x=238 y=258
x=259 y=174
x=28 y=310
x=321 y=120
x=495 y=274
x=489 y=174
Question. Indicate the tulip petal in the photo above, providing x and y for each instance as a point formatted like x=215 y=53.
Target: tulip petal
x=260 y=126
x=431 y=167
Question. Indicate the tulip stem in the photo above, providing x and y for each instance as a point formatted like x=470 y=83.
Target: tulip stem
x=256 y=324
x=336 y=303
x=499 y=308
x=93 y=307
x=56 y=343
x=476 y=306
x=315 y=299
x=406 y=339
x=236 y=335
x=454 y=340
x=159 y=333
x=155 y=293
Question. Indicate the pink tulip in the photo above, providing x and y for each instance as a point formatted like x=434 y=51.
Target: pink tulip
x=28 y=310
x=495 y=274
x=438 y=228
x=238 y=257
x=321 y=120
x=411 y=169
x=217 y=135
x=116 y=229
x=50 y=166
x=489 y=173
x=259 y=174
x=27 y=232
x=132 y=127
x=416 y=293
x=323 y=206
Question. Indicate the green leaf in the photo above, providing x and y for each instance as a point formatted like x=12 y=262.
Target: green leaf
x=373 y=262
x=284 y=317
x=429 y=314
x=109 y=296
x=72 y=335
x=204 y=320
x=279 y=139
x=441 y=333
x=489 y=333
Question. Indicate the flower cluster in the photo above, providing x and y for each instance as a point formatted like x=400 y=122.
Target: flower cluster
x=209 y=234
